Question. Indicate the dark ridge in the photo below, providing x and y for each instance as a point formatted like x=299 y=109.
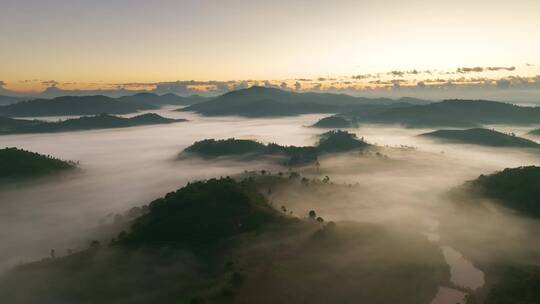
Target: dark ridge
x=72 y=105
x=484 y=137
x=330 y=142
x=103 y=121
x=333 y=122
x=455 y=113
x=263 y=101
x=18 y=163
x=514 y=188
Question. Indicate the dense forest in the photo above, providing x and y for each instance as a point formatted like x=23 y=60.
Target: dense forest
x=18 y=163
x=514 y=188
x=102 y=121
x=329 y=142
x=213 y=242
x=485 y=137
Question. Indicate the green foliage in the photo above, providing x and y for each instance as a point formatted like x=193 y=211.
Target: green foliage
x=18 y=163
x=202 y=214
x=515 y=188
x=332 y=141
x=340 y=141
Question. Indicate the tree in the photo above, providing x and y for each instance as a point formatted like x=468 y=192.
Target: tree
x=312 y=214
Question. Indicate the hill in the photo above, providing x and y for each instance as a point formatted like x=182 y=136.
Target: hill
x=103 y=121
x=220 y=241
x=484 y=137
x=5 y=100
x=333 y=122
x=455 y=113
x=330 y=142
x=262 y=101
x=72 y=105
x=514 y=188
x=161 y=100
x=201 y=214
x=18 y=163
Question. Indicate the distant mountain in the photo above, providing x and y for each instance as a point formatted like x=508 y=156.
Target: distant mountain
x=102 y=121
x=72 y=105
x=514 y=188
x=160 y=100
x=455 y=113
x=484 y=137
x=333 y=122
x=5 y=100
x=262 y=101
x=330 y=142
x=18 y=163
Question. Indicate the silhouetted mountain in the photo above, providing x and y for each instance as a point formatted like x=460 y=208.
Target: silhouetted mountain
x=72 y=105
x=262 y=101
x=330 y=142
x=514 y=188
x=18 y=163
x=103 y=121
x=332 y=122
x=455 y=113
x=6 y=100
x=484 y=137
x=160 y=100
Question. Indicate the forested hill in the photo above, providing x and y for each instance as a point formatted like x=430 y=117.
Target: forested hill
x=103 y=121
x=18 y=163
x=485 y=137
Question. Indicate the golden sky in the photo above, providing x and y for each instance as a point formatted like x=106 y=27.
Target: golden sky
x=88 y=43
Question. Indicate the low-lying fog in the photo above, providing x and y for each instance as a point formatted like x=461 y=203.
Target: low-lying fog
x=121 y=168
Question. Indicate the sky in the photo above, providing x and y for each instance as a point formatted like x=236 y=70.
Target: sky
x=88 y=45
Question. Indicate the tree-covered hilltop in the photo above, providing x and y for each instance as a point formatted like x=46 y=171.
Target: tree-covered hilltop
x=220 y=241
x=340 y=141
x=262 y=101
x=514 y=188
x=72 y=105
x=484 y=137
x=330 y=142
x=332 y=122
x=102 y=121
x=201 y=214
x=454 y=113
x=18 y=163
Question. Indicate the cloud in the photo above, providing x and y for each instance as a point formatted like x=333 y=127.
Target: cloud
x=297 y=86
